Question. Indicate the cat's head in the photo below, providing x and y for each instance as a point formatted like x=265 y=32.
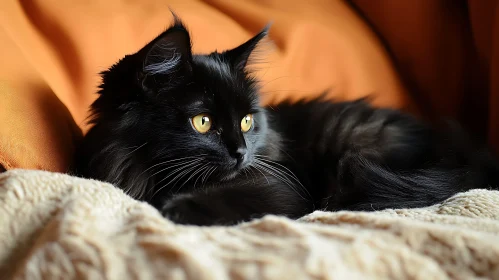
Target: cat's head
x=192 y=113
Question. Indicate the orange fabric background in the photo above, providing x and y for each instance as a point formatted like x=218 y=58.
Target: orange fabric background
x=438 y=56
x=447 y=54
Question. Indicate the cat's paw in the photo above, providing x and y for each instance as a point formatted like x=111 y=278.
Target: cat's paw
x=186 y=211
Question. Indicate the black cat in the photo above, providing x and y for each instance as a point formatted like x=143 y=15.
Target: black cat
x=186 y=133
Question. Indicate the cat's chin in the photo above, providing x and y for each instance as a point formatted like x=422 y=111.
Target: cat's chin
x=229 y=176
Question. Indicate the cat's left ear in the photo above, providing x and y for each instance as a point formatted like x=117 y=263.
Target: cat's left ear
x=169 y=55
x=241 y=55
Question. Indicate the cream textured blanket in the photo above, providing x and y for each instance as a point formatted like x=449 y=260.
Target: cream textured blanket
x=54 y=226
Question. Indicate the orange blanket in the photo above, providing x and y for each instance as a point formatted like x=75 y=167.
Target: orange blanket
x=435 y=57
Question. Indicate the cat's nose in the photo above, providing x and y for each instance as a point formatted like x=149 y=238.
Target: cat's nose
x=239 y=154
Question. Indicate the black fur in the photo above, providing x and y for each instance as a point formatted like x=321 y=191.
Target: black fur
x=296 y=158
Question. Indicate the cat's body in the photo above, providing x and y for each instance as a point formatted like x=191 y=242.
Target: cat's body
x=186 y=133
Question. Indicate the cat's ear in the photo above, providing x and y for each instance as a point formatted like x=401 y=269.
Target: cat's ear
x=240 y=56
x=169 y=54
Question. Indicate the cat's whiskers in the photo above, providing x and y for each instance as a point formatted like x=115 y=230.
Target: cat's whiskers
x=172 y=160
x=245 y=172
x=289 y=172
x=210 y=173
x=181 y=175
x=200 y=169
x=187 y=162
x=136 y=149
x=284 y=152
x=178 y=171
x=250 y=170
x=256 y=167
x=205 y=174
x=272 y=171
x=281 y=172
x=172 y=172
x=202 y=174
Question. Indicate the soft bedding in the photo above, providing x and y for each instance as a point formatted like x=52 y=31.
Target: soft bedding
x=54 y=226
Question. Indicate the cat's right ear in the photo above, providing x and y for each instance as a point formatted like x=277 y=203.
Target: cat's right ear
x=167 y=58
x=240 y=56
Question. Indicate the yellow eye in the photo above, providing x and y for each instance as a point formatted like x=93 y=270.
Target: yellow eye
x=202 y=123
x=247 y=122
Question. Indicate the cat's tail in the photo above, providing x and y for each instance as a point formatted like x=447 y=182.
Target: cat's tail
x=461 y=167
x=487 y=168
x=458 y=151
x=377 y=187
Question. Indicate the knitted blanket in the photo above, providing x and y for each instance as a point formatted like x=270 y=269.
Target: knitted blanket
x=54 y=226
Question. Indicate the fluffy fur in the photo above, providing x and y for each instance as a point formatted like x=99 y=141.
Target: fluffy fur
x=295 y=158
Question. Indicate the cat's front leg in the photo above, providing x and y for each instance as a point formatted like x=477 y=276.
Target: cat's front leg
x=188 y=209
x=236 y=201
